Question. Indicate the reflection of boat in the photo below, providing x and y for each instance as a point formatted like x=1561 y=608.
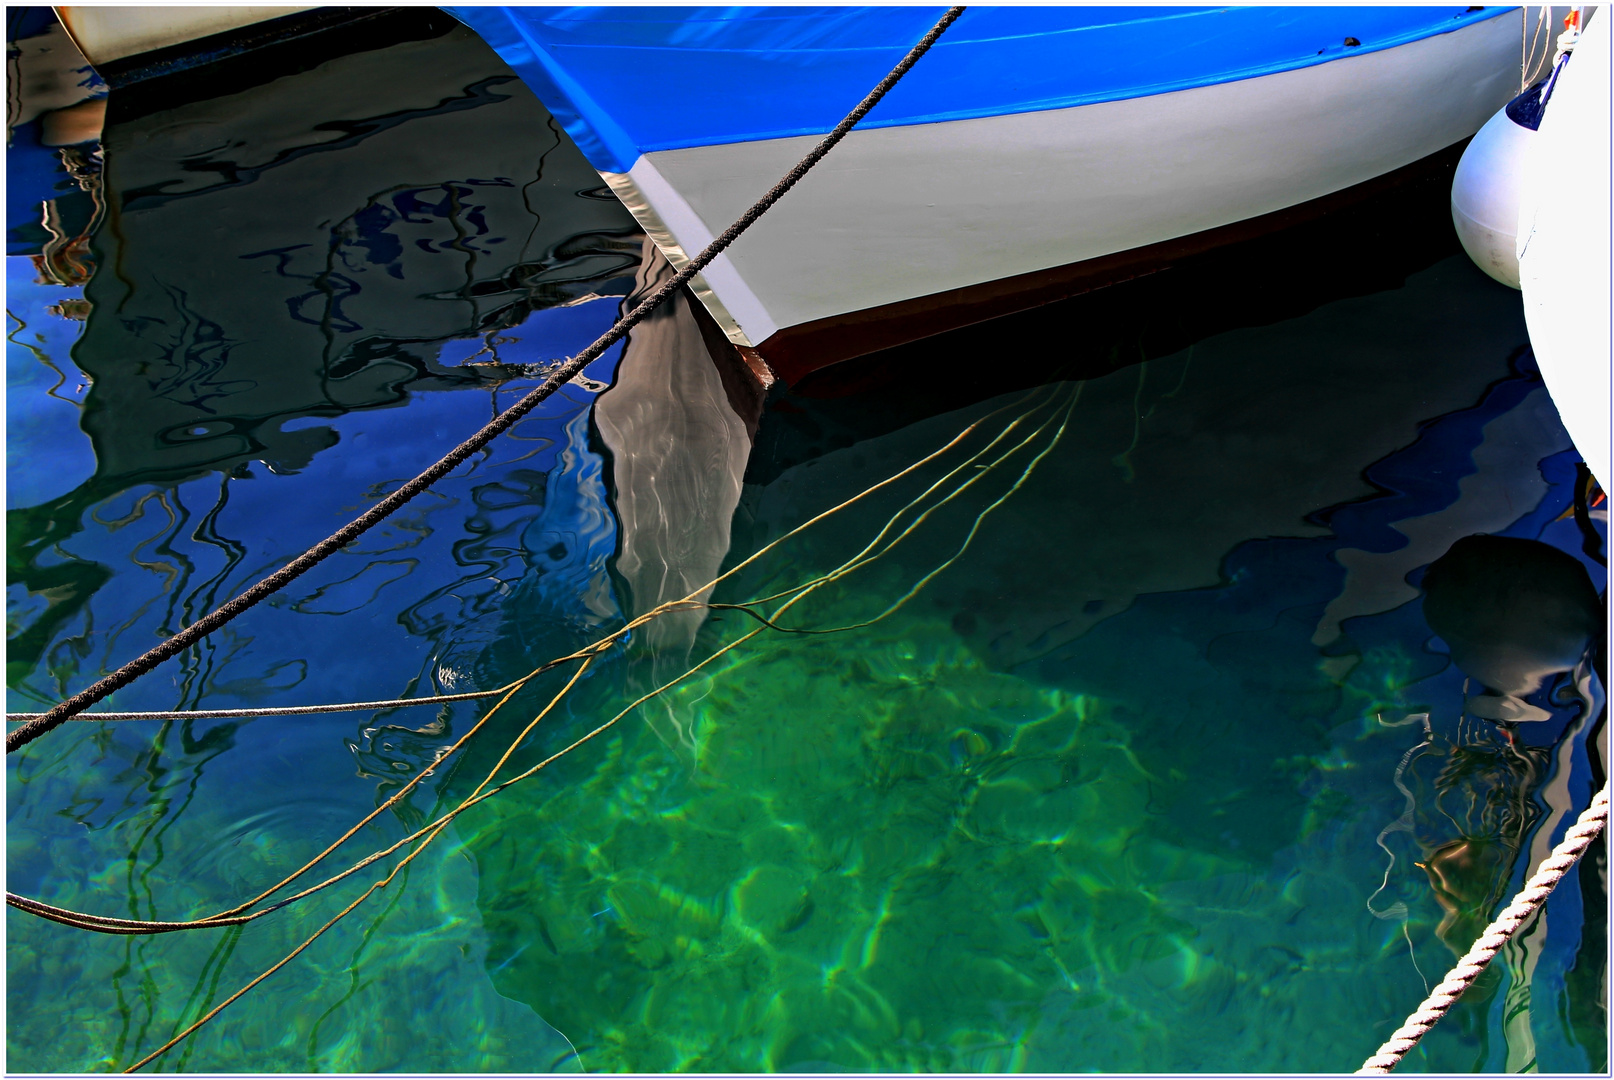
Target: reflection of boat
x=424 y=222
x=1034 y=152
x=109 y=34
x=54 y=105
x=326 y=241
x=1216 y=424
x=678 y=421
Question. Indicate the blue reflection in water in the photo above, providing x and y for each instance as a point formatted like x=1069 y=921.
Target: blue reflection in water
x=46 y=453
x=1255 y=633
x=316 y=286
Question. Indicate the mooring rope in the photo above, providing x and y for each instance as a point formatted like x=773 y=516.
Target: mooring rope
x=1515 y=915
x=280 y=710
x=390 y=703
x=199 y=629
x=402 y=703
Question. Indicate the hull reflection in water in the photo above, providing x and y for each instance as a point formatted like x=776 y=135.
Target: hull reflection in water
x=217 y=322
x=1514 y=612
x=679 y=449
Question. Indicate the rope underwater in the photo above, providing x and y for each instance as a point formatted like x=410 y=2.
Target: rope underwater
x=279 y=710
x=970 y=467
x=1008 y=443
x=1513 y=917
x=427 y=833
x=199 y=629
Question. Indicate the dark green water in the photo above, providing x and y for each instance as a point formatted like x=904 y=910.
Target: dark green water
x=1122 y=774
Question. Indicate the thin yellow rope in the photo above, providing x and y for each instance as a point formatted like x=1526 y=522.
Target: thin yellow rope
x=430 y=832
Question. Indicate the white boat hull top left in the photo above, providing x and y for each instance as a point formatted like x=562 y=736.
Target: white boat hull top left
x=105 y=34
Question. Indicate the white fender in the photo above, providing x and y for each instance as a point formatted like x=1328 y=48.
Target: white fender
x=1564 y=246
x=1485 y=196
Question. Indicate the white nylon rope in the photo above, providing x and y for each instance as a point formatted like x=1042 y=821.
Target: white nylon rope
x=1515 y=915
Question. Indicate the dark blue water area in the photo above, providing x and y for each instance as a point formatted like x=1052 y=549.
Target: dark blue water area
x=43 y=394
x=538 y=496
x=379 y=450
x=280 y=328
x=1251 y=640
x=34 y=174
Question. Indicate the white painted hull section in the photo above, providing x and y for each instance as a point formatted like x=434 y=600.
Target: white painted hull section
x=1564 y=247
x=897 y=213
x=680 y=233
x=113 y=32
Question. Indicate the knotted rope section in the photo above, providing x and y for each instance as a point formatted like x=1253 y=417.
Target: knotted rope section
x=1514 y=916
x=199 y=629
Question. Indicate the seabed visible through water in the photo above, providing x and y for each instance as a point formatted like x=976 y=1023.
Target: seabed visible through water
x=1141 y=762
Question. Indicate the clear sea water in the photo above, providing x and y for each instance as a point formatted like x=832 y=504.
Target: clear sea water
x=1146 y=759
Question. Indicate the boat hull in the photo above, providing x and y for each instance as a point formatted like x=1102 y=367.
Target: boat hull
x=909 y=211
x=106 y=34
x=1564 y=247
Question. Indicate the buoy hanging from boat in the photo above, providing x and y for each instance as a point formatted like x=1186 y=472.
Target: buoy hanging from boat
x=1486 y=189
x=1564 y=244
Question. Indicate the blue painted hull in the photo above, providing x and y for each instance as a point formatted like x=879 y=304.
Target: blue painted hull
x=627 y=81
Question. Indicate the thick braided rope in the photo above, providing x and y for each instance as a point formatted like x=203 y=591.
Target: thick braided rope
x=199 y=629
x=1514 y=916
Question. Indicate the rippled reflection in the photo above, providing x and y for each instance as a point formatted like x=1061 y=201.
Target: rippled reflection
x=679 y=450
x=303 y=293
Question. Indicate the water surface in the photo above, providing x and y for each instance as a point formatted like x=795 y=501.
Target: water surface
x=1131 y=769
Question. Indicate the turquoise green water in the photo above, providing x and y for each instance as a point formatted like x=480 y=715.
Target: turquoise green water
x=883 y=851
x=1138 y=753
